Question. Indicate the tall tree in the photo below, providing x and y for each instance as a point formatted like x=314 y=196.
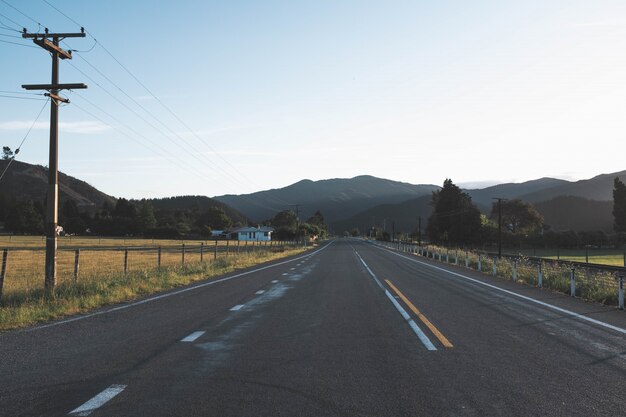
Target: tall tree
x=517 y=216
x=619 y=206
x=455 y=219
x=285 y=224
x=145 y=216
x=215 y=218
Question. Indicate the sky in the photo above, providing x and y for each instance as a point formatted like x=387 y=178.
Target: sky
x=231 y=97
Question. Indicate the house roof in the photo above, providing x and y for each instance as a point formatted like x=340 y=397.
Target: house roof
x=252 y=229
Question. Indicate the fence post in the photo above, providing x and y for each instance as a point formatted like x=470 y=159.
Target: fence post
x=495 y=266
x=215 y=250
x=159 y=257
x=227 y=246
x=586 y=255
x=480 y=266
x=466 y=259
x=572 y=283
x=183 y=255
x=620 y=294
x=456 y=256
x=514 y=277
x=201 y=251
x=76 y=264
x=238 y=242
x=558 y=255
x=447 y=256
x=539 y=276
x=3 y=271
x=125 y=261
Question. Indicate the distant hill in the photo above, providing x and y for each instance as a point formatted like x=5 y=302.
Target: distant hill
x=27 y=181
x=336 y=198
x=576 y=213
x=597 y=188
x=202 y=203
x=404 y=215
x=483 y=198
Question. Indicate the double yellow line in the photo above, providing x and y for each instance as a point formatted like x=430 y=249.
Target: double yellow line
x=444 y=341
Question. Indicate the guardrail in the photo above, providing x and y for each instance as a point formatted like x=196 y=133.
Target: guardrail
x=603 y=283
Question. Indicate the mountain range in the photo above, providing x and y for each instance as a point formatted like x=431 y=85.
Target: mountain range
x=360 y=202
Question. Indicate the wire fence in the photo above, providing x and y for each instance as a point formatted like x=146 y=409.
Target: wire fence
x=602 y=283
x=22 y=268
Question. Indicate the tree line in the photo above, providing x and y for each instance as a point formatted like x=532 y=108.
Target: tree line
x=457 y=221
x=140 y=218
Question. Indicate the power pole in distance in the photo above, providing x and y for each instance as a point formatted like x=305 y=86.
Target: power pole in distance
x=499 y=225
x=50 y=42
x=419 y=230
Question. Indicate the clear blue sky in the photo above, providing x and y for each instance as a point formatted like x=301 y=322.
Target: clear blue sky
x=417 y=91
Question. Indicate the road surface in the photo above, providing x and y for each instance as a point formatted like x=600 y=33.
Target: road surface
x=349 y=329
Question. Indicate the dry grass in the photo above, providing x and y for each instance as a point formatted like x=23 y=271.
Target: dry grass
x=101 y=278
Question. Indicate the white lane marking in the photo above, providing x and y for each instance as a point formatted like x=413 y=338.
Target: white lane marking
x=523 y=297
x=259 y=292
x=292 y=269
x=169 y=294
x=274 y=281
x=97 y=401
x=285 y=273
x=193 y=336
x=418 y=332
x=237 y=307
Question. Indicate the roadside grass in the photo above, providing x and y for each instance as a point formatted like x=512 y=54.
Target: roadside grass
x=24 y=305
x=594 y=285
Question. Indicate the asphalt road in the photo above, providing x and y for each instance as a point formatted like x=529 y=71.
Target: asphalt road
x=348 y=330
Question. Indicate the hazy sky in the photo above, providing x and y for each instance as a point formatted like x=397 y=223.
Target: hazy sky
x=415 y=91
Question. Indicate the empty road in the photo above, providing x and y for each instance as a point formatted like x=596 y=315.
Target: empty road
x=348 y=329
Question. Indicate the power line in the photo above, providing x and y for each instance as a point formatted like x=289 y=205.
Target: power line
x=169 y=110
x=21 y=98
x=194 y=151
x=23 y=14
x=17 y=150
x=150 y=146
x=12 y=21
x=19 y=44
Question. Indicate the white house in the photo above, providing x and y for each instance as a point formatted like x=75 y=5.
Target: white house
x=261 y=233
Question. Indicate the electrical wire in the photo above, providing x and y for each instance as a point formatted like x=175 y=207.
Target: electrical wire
x=21 y=98
x=18 y=44
x=169 y=110
x=23 y=14
x=12 y=21
x=17 y=150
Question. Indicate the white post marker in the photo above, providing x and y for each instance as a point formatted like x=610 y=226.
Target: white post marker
x=620 y=295
x=572 y=283
x=97 y=401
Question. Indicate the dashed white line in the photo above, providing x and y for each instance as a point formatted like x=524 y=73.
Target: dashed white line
x=285 y=273
x=237 y=307
x=193 y=336
x=274 y=281
x=292 y=269
x=97 y=401
x=259 y=292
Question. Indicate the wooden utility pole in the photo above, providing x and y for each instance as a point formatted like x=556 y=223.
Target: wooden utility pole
x=50 y=42
x=499 y=225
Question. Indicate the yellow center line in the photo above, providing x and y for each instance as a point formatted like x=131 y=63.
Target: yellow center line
x=423 y=318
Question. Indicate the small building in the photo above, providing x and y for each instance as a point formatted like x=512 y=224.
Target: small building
x=255 y=234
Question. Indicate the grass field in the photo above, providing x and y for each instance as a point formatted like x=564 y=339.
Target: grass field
x=118 y=270
x=614 y=257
